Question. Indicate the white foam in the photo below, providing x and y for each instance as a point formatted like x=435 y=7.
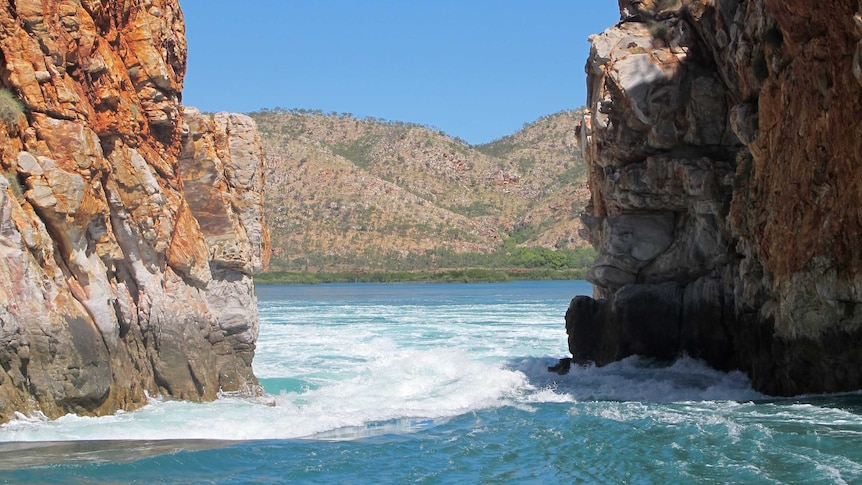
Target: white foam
x=638 y=379
x=400 y=387
x=358 y=369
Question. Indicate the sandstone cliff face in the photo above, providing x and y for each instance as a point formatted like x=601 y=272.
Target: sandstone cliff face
x=223 y=175
x=724 y=151
x=115 y=280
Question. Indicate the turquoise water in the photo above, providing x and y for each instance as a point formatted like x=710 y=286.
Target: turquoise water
x=448 y=384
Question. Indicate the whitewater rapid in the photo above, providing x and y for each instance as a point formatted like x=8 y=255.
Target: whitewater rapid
x=396 y=360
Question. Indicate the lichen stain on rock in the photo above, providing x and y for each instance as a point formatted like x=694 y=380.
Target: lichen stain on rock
x=109 y=288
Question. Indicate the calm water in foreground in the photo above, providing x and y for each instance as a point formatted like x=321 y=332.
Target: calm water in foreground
x=448 y=384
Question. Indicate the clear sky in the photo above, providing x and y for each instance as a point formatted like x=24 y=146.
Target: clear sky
x=476 y=69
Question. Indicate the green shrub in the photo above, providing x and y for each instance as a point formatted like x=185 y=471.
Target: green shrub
x=658 y=29
x=357 y=151
x=14 y=184
x=11 y=109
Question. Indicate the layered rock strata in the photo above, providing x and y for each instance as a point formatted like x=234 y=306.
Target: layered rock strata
x=117 y=278
x=723 y=144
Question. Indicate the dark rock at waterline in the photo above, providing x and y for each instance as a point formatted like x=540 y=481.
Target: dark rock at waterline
x=639 y=319
x=585 y=328
x=562 y=367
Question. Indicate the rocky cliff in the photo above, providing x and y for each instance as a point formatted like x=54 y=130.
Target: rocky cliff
x=128 y=232
x=724 y=152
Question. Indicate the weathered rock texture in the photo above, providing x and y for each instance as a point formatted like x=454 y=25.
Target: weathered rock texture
x=724 y=147
x=127 y=235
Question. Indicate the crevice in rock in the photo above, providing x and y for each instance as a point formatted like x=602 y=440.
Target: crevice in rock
x=49 y=112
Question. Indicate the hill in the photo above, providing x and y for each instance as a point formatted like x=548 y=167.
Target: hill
x=348 y=194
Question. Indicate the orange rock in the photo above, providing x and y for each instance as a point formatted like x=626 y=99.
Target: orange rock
x=105 y=270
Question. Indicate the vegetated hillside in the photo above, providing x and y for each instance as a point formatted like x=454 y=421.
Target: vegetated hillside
x=548 y=158
x=351 y=194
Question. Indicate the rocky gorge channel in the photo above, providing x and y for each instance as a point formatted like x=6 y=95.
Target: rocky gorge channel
x=724 y=154
x=723 y=150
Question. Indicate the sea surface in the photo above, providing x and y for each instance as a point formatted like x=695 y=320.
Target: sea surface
x=448 y=383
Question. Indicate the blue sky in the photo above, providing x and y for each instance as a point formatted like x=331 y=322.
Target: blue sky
x=476 y=69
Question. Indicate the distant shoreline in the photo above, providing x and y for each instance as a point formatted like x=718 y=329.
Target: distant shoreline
x=464 y=275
